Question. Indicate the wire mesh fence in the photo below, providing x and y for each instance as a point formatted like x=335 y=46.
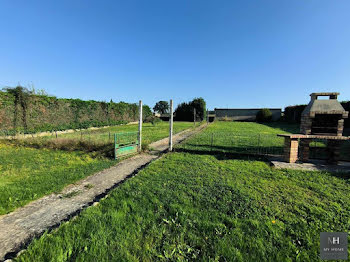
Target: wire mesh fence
x=319 y=149
x=229 y=142
x=125 y=138
x=254 y=144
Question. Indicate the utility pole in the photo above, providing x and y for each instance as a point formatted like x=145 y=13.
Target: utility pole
x=171 y=119
x=140 y=126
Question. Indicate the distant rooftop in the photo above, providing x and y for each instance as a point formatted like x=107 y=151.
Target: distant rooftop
x=325 y=94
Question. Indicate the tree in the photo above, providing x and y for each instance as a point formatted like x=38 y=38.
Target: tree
x=264 y=115
x=185 y=111
x=162 y=107
x=146 y=111
x=200 y=106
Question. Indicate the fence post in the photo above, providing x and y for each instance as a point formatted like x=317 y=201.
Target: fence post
x=194 y=116
x=140 y=126
x=171 y=119
x=207 y=116
x=114 y=148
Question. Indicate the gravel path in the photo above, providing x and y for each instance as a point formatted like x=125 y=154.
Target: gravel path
x=18 y=228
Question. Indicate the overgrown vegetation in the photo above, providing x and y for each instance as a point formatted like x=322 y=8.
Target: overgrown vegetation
x=21 y=99
x=99 y=142
x=26 y=111
x=205 y=208
x=32 y=168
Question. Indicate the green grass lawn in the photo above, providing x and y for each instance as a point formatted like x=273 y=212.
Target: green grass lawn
x=241 y=137
x=252 y=138
x=28 y=173
x=205 y=208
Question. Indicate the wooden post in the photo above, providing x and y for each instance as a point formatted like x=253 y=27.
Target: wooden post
x=171 y=119
x=140 y=126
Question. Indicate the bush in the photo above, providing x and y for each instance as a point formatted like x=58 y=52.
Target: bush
x=152 y=119
x=185 y=111
x=264 y=115
x=24 y=111
x=292 y=114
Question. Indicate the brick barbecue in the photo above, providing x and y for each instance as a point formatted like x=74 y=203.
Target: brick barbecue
x=321 y=119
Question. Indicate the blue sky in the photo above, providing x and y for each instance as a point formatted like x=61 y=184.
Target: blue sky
x=232 y=53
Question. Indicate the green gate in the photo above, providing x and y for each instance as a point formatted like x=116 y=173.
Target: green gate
x=125 y=143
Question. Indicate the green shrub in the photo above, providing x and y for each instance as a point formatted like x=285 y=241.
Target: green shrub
x=152 y=119
x=185 y=111
x=264 y=115
x=145 y=147
x=24 y=111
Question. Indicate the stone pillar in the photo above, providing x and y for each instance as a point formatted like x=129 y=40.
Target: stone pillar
x=305 y=149
x=291 y=149
x=333 y=150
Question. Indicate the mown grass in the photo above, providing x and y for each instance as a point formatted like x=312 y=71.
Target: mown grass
x=32 y=168
x=27 y=174
x=240 y=137
x=253 y=139
x=205 y=208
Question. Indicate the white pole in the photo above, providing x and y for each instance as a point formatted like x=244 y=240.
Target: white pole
x=194 y=116
x=140 y=125
x=171 y=119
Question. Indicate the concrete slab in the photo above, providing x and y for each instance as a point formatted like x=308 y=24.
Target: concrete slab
x=313 y=165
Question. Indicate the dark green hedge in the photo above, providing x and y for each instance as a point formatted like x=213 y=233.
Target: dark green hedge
x=46 y=113
x=292 y=114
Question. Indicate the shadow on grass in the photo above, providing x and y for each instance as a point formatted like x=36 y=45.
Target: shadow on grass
x=290 y=128
x=220 y=155
x=249 y=150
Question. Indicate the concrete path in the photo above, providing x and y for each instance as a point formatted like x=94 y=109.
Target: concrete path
x=18 y=228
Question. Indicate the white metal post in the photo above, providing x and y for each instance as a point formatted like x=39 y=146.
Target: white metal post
x=140 y=125
x=194 y=116
x=171 y=119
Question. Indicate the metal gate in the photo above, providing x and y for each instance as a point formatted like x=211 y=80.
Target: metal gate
x=125 y=143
